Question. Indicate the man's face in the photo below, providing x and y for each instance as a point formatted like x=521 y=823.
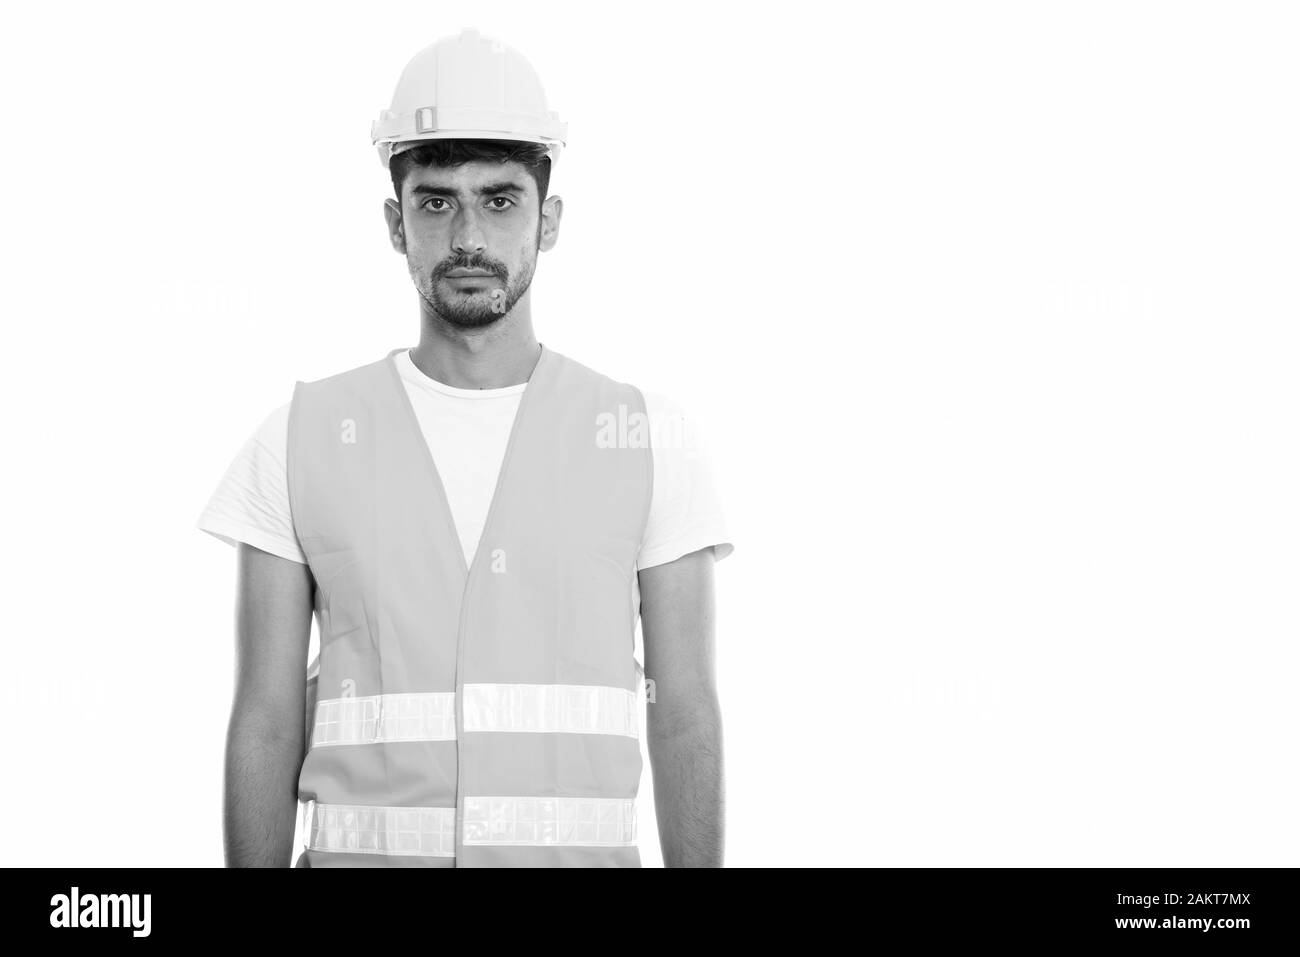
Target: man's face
x=472 y=234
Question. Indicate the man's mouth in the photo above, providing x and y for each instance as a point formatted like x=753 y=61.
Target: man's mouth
x=469 y=274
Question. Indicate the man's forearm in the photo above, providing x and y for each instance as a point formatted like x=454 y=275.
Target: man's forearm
x=261 y=792
x=685 y=748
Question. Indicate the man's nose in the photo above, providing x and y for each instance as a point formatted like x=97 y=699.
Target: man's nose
x=467 y=238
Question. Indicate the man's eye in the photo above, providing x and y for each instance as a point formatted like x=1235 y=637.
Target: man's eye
x=500 y=199
x=436 y=199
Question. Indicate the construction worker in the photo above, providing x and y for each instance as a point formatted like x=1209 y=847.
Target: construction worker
x=476 y=525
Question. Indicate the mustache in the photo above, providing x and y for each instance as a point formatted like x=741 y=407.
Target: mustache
x=470 y=262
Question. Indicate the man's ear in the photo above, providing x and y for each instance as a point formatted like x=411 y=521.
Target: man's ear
x=396 y=235
x=552 y=210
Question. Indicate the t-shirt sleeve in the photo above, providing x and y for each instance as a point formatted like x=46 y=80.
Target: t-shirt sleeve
x=686 y=511
x=251 y=504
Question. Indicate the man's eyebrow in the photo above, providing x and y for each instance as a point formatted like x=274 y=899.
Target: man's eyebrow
x=505 y=186
x=490 y=189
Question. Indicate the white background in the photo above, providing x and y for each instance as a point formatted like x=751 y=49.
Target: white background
x=988 y=313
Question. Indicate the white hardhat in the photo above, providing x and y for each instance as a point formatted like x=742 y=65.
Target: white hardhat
x=467 y=87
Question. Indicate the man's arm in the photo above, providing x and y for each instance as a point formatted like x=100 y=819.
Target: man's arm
x=684 y=723
x=266 y=736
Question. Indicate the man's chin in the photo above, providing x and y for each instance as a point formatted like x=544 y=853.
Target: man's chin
x=467 y=313
x=468 y=318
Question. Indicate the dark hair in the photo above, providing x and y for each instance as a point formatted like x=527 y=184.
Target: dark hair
x=457 y=152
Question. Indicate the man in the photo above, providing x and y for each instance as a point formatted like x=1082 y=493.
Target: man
x=476 y=523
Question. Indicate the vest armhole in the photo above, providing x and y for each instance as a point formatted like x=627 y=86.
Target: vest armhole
x=291 y=467
x=650 y=479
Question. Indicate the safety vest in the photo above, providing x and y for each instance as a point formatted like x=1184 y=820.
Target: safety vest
x=480 y=716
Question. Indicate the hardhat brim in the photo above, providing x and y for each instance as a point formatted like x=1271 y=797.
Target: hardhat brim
x=387 y=150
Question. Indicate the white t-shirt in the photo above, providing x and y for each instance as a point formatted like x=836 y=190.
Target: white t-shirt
x=467 y=431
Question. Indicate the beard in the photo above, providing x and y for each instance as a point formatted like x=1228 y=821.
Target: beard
x=477 y=308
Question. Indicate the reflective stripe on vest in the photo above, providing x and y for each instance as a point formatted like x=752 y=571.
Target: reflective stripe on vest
x=491 y=704
x=567 y=709
x=550 y=821
x=571 y=709
x=366 y=829
x=503 y=820
x=385 y=717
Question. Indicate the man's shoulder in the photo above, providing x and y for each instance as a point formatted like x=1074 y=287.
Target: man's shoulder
x=346 y=382
x=670 y=426
x=573 y=370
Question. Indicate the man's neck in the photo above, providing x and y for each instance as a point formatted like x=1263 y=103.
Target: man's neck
x=493 y=358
